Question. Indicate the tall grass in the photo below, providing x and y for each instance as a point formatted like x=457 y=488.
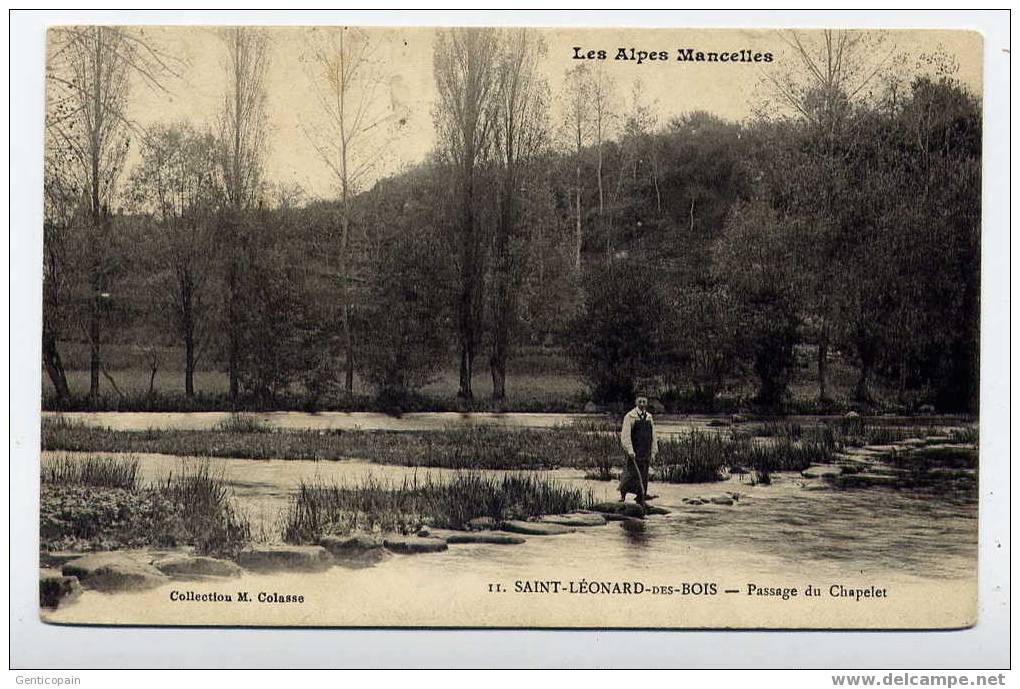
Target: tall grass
x=241 y=423
x=845 y=432
x=694 y=458
x=105 y=472
x=777 y=428
x=968 y=434
x=209 y=518
x=859 y=431
x=471 y=447
x=102 y=499
x=701 y=457
x=371 y=504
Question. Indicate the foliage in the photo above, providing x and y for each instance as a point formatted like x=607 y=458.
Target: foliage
x=616 y=340
x=756 y=261
x=98 y=503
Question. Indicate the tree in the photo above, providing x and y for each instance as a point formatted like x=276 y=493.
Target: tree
x=834 y=74
x=577 y=100
x=62 y=207
x=603 y=102
x=705 y=339
x=464 y=63
x=88 y=77
x=617 y=340
x=347 y=81
x=755 y=259
x=241 y=151
x=176 y=182
x=519 y=135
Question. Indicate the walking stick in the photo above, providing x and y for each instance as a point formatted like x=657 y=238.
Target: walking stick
x=641 y=481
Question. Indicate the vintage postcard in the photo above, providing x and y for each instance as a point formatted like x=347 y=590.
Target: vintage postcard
x=510 y=327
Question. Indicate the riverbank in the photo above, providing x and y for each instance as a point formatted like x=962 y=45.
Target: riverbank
x=540 y=380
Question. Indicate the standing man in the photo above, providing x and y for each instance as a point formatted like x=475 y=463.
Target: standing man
x=641 y=445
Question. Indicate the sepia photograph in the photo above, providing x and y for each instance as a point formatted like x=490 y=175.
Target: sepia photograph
x=510 y=327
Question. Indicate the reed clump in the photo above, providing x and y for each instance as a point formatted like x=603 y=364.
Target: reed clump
x=423 y=500
x=100 y=503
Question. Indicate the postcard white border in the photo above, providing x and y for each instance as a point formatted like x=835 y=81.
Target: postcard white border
x=36 y=645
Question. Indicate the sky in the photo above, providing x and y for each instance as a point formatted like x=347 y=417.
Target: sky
x=404 y=60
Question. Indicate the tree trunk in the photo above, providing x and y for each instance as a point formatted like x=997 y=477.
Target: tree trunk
x=189 y=367
x=502 y=306
x=54 y=366
x=188 y=331
x=349 y=345
x=234 y=344
x=345 y=315
x=497 y=366
x=578 y=237
x=95 y=362
x=823 y=369
x=862 y=391
x=466 y=303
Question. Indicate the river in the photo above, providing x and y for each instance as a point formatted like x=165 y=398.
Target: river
x=920 y=545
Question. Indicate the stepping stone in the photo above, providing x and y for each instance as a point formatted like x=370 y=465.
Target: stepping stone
x=58 y=558
x=621 y=518
x=947 y=472
x=821 y=471
x=275 y=558
x=869 y=479
x=482 y=523
x=652 y=509
x=722 y=500
x=574 y=519
x=627 y=509
x=861 y=452
x=197 y=566
x=113 y=571
x=353 y=544
x=56 y=589
x=454 y=537
x=356 y=551
x=411 y=545
x=535 y=528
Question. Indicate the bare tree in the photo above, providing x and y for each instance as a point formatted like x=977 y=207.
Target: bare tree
x=464 y=63
x=519 y=135
x=89 y=74
x=577 y=102
x=177 y=183
x=346 y=78
x=602 y=92
x=242 y=150
x=831 y=73
x=639 y=130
